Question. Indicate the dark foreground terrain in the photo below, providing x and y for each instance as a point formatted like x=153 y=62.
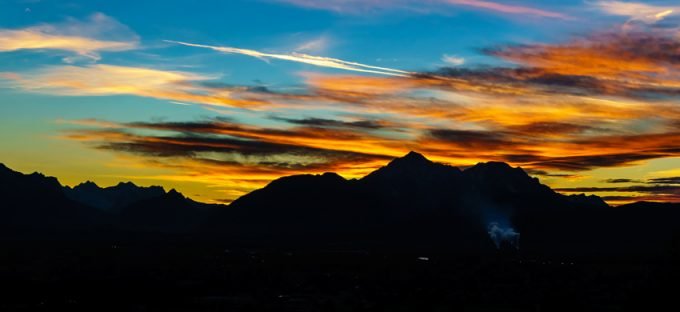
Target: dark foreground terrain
x=159 y=275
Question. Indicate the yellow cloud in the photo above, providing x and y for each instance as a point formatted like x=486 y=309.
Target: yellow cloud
x=12 y=40
x=100 y=80
x=85 y=38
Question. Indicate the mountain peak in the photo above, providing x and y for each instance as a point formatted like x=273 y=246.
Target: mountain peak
x=126 y=184
x=88 y=185
x=175 y=194
x=501 y=178
x=332 y=175
x=411 y=167
x=415 y=156
x=410 y=160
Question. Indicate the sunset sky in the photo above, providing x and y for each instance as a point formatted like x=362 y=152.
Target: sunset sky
x=217 y=98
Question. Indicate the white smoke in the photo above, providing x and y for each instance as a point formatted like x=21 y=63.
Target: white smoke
x=500 y=234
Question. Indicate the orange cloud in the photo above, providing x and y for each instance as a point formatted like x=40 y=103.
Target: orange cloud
x=592 y=61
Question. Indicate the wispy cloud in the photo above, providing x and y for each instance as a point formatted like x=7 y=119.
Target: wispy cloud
x=645 y=58
x=313 y=45
x=85 y=38
x=453 y=60
x=354 y=6
x=508 y=8
x=427 y=6
x=101 y=80
x=636 y=11
x=305 y=58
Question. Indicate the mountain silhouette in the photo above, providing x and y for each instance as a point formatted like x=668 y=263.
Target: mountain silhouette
x=411 y=203
x=37 y=202
x=413 y=184
x=166 y=213
x=113 y=198
x=34 y=202
x=137 y=208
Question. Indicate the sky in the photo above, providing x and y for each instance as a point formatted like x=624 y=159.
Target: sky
x=217 y=98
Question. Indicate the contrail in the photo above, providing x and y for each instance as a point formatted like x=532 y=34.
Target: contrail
x=307 y=59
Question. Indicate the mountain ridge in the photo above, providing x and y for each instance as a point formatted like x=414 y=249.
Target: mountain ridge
x=410 y=203
x=409 y=159
x=112 y=198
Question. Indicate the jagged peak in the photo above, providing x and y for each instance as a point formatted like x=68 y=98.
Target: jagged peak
x=590 y=200
x=34 y=175
x=175 y=193
x=500 y=171
x=126 y=184
x=38 y=174
x=87 y=184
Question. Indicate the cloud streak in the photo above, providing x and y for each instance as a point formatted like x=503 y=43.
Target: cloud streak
x=507 y=8
x=305 y=59
x=423 y=6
